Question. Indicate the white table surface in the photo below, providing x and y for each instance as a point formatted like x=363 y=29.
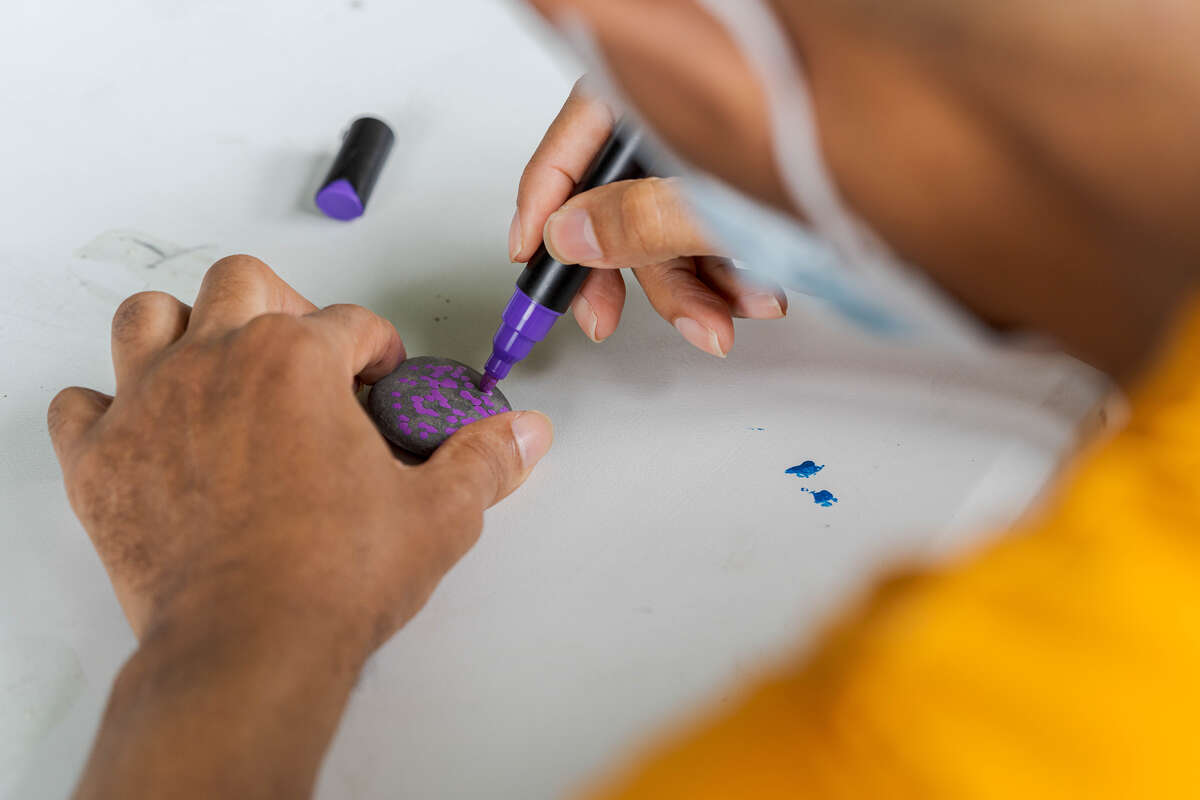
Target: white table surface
x=658 y=556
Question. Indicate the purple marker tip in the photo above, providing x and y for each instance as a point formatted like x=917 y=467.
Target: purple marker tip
x=487 y=383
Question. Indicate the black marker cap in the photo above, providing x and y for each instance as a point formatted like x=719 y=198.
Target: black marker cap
x=351 y=179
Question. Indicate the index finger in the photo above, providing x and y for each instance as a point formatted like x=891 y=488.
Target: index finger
x=237 y=289
x=572 y=141
x=367 y=343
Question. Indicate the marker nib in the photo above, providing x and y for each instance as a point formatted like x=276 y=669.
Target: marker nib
x=487 y=383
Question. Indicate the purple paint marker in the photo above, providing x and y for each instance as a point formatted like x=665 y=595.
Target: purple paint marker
x=547 y=287
x=351 y=179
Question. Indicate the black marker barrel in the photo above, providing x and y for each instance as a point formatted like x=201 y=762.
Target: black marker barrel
x=551 y=283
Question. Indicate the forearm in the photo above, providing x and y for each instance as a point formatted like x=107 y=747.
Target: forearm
x=242 y=710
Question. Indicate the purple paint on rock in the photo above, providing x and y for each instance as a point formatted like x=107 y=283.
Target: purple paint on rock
x=419 y=405
x=444 y=399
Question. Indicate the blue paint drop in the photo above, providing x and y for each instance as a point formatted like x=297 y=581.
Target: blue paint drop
x=756 y=429
x=824 y=498
x=805 y=470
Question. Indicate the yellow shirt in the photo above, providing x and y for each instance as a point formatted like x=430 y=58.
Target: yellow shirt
x=1062 y=662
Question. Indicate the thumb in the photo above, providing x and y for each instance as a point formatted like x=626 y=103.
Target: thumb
x=487 y=460
x=625 y=224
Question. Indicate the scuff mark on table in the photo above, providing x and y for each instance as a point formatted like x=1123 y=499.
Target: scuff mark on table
x=143 y=251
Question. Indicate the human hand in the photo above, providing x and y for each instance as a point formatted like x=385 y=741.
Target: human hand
x=642 y=224
x=1022 y=155
x=235 y=480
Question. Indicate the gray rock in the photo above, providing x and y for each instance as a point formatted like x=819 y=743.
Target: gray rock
x=426 y=400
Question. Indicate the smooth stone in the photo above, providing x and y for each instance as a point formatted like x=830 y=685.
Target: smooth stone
x=427 y=400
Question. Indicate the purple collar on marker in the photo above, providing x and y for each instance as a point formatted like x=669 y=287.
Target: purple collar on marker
x=524 y=324
x=553 y=283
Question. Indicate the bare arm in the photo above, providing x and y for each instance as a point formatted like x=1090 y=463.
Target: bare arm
x=210 y=709
x=258 y=532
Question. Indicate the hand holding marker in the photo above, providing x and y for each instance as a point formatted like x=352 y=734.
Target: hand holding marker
x=547 y=287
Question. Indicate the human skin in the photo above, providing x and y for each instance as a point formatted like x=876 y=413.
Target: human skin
x=258 y=532
x=1037 y=160
x=245 y=509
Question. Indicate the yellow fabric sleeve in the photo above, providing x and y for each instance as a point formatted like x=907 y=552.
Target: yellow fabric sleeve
x=1062 y=662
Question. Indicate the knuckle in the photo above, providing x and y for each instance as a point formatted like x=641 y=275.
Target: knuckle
x=641 y=216
x=605 y=288
x=236 y=266
x=59 y=411
x=305 y=343
x=283 y=344
x=583 y=99
x=487 y=464
x=276 y=333
x=350 y=313
x=233 y=273
x=270 y=328
x=364 y=326
x=487 y=458
x=135 y=310
x=471 y=473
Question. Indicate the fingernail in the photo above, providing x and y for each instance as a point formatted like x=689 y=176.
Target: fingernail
x=533 y=433
x=700 y=336
x=571 y=236
x=760 y=306
x=515 y=241
x=586 y=317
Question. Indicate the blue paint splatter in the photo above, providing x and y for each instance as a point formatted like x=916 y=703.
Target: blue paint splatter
x=805 y=470
x=824 y=498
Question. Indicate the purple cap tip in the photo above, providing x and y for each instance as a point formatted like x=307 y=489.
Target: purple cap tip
x=339 y=200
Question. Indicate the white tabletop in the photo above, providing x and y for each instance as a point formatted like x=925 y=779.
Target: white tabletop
x=658 y=556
